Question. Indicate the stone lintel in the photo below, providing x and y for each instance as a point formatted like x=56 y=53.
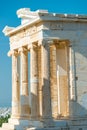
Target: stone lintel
x=27 y=47
x=17 y=44
x=52 y=41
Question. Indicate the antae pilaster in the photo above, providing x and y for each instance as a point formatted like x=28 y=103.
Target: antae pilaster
x=25 y=109
x=15 y=86
x=34 y=82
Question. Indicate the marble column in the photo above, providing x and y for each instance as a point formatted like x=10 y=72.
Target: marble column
x=34 y=82
x=15 y=86
x=25 y=109
x=46 y=93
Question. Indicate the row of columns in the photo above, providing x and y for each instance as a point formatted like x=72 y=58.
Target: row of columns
x=20 y=101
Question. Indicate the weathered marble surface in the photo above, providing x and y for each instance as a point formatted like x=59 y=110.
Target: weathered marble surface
x=58 y=71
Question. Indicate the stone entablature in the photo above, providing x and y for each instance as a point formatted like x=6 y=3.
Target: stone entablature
x=57 y=45
x=40 y=24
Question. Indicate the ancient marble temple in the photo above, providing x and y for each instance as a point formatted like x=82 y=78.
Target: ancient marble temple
x=50 y=93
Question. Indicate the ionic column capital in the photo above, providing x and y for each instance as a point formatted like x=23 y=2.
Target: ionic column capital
x=32 y=46
x=22 y=49
x=13 y=52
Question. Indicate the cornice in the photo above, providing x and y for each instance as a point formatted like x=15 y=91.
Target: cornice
x=35 y=17
x=21 y=27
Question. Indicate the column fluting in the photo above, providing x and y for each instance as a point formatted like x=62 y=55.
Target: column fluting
x=34 y=82
x=15 y=85
x=24 y=95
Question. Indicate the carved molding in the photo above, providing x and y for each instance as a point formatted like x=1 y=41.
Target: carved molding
x=13 y=52
x=22 y=49
x=23 y=34
x=32 y=30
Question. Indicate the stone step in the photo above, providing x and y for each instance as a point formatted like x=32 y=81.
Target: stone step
x=19 y=124
x=21 y=128
x=60 y=123
x=32 y=125
x=12 y=127
x=77 y=122
x=54 y=128
x=25 y=122
x=4 y=129
x=13 y=121
x=8 y=126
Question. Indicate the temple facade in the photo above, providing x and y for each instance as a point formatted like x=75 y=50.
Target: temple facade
x=49 y=71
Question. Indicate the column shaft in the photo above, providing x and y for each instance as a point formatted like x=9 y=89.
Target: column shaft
x=15 y=88
x=34 y=83
x=25 y=109
x=46 y=96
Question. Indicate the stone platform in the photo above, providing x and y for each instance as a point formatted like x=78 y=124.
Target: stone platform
x=16 y=124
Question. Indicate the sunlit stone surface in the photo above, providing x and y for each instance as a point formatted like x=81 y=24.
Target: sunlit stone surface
x=55 y=98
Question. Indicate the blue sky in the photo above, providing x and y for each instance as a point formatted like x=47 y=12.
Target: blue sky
x=8 y=17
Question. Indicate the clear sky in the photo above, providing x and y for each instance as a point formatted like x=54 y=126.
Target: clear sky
x=8 y=17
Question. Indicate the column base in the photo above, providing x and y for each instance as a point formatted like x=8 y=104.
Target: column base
x=32 y=118
x=48 y=122
x=25 y=108
x=15 y=116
